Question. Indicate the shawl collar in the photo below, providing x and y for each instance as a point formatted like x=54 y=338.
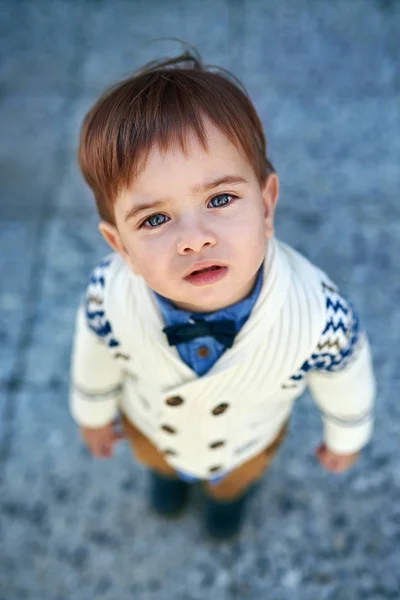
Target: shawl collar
x=263 y=316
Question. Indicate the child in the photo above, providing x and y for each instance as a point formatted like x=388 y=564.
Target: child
x=201 y=328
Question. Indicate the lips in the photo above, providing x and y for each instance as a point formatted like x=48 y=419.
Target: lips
x=206 y=275
x=203 y=267
x=213 y=268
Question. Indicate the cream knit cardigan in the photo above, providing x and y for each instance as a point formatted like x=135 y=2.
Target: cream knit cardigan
x=211 y=424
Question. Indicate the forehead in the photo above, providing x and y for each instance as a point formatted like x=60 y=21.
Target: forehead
x=192 y=163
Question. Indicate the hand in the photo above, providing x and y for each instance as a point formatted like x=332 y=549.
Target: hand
x=100 y=441
x=335 y=463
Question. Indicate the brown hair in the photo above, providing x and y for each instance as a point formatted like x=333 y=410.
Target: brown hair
x=159 y=105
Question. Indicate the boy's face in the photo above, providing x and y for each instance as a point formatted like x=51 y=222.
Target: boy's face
x=210 y=212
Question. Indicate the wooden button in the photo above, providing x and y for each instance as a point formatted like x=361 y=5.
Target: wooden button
x=168 y=428
x=218 y=444
x=121 y=355
x=215 y=468
x=169 y=452
x=221 y=408
x=203 y=352
x=174 y=401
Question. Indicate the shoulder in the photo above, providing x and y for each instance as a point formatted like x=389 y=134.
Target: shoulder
x=306 y=297
x=102 y=279
x=105 y=296
x=301 y=266
x=337 y=332
x=341 y=337
x=107 y=272
x=342 y=332
x=334 y=304
x=307 y=279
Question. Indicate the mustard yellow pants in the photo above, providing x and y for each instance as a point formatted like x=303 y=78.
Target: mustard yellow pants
x=232 y=486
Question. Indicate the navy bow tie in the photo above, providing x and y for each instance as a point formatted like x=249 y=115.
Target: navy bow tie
x=223 y=331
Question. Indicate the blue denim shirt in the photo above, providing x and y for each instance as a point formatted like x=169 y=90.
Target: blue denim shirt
x=188 y=351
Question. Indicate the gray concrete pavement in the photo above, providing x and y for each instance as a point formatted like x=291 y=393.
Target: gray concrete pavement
x=325 y=79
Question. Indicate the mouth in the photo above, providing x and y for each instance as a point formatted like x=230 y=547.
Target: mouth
x=207 y=275
x=213 y=268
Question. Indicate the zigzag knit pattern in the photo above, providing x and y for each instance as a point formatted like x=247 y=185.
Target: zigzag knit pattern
x=94 y=304
x=340 y=338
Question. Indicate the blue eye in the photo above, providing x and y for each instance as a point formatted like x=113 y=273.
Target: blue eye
x=154 y=221
x=222 y=200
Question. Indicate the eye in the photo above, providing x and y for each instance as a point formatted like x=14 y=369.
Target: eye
x=154 y=221
x=222 y=200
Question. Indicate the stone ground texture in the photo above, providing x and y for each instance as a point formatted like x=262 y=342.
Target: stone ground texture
x=325 y=78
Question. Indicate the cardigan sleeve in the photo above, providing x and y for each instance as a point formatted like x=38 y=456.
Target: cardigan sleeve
x=96 y=377
x=341 y=378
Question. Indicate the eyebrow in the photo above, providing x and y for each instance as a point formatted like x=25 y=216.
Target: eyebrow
x=196 y=189
x=225 y=179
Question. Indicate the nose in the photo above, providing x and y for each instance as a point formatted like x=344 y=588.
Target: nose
x=194 y=236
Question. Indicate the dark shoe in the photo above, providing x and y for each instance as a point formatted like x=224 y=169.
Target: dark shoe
x=223 y=520
x=168 y=496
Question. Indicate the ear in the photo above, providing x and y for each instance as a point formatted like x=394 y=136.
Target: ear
x=270 y=194
x=113 y=238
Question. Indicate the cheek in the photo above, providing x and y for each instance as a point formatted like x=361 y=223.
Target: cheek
x=253 y=239
x=148 y=254
x=250 y=229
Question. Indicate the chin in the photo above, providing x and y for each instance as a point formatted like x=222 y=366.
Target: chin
x=202 y=306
